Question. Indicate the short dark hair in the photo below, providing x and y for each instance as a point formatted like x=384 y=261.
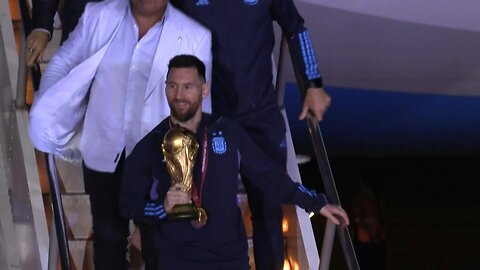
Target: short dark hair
x=187 y=61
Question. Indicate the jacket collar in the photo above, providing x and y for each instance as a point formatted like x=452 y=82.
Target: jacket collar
x=169 y=43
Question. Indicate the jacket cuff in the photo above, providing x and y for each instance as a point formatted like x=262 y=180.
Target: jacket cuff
x=309 y=199
x=315 y=83
x=155 y=210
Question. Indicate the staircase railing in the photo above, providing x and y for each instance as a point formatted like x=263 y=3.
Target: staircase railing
x=332 y=196
x=325 y=173
x=20 y=100
x=58 y=228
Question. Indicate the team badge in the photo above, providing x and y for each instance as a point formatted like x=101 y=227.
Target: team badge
x=250 y=2
x=219 y=145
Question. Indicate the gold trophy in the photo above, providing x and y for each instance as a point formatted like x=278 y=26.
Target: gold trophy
x=180 y=149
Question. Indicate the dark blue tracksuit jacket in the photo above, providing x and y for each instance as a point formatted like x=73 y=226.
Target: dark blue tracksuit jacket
x=222 y=242
x=242 y=45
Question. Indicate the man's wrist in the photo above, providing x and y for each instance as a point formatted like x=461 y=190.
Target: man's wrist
x=45 y=31
x=315 y=83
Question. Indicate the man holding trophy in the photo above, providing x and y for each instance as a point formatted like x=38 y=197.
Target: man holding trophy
x=181 y=180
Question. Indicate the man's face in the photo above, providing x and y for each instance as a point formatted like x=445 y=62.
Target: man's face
x=185 y=92
x=148 y=7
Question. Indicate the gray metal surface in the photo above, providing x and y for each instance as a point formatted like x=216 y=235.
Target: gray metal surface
x=332 y=196
x=59 y=218
x=21 y=225
x=306 y=241
x=324 y=167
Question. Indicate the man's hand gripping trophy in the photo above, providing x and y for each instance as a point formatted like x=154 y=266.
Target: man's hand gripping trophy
x=180 y=151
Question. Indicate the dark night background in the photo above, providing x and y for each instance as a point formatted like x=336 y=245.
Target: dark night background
x=422 y=154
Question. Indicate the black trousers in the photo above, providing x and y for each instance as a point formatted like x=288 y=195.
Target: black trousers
x=110 y=230
x=267 y=129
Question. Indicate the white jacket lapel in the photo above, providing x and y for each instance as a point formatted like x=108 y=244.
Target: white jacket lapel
x=169 y=44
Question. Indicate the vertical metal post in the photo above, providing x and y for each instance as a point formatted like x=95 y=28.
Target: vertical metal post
x=58 y=228
x=22 y=76
x=53 y=247
x=20 y=99
x=331 y=192
x=61 y=231
x=327 y=245
x=327 y=178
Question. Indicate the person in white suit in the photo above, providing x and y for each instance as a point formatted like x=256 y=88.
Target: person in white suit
x=102 y=91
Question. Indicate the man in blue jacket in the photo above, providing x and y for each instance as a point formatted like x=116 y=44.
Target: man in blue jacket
x=242 y=44
x=225 y=149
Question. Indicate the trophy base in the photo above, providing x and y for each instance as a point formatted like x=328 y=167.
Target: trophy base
x=183 y=212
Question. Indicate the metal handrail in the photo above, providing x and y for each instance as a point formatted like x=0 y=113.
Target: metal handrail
x=61 y=231
x=325 y=172
x=58 y=228
x=20 y=99
x=21 y=84
x=332 y=196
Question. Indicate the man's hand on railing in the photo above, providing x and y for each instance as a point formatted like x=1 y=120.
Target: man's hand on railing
x=335 y=214
x=35 y=47
x=317 y=102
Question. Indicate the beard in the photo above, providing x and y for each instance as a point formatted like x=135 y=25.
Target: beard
x=183 y=114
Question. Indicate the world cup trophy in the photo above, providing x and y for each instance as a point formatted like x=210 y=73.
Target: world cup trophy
x=180 y=149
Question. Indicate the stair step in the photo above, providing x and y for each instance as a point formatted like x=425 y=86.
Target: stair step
x=71 y=175
x=78 y=250
x=77 y=213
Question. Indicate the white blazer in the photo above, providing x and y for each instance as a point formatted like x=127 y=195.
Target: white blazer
x=58 y=112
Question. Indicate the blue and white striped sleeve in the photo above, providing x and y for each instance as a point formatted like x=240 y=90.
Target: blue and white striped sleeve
x=155 y=210
x=304 y=60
